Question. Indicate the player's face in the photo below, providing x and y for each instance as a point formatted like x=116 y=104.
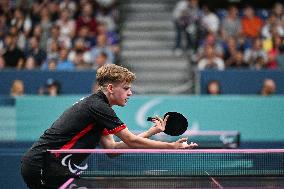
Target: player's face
x=121 y=93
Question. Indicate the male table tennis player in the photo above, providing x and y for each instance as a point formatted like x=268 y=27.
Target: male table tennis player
x=89 y=122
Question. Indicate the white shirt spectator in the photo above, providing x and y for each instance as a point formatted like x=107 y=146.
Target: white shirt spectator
x=266 y=31
x=251 y=55
x=210 y=60
x=180 y=7
x=215 y=63
x=108 y=19
x=211 y=22
x=86 y=56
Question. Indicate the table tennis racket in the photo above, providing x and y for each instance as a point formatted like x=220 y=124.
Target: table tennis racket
x=176 y=124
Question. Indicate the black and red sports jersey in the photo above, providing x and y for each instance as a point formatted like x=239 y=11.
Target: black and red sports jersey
x=79 y=127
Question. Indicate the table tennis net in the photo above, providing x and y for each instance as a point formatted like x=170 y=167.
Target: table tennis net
x=169 y=163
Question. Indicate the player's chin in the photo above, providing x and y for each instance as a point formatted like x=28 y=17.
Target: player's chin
x=122 y=103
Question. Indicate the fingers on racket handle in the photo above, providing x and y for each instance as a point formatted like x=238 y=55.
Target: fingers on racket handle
x=150 y=118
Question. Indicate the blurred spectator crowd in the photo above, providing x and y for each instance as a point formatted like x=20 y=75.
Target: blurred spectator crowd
x=71 y=35
x=58 y=34
x=235 y=37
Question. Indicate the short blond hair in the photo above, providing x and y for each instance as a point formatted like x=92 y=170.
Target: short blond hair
x=114 y=74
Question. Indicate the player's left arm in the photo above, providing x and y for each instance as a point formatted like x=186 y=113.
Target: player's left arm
x=107 y=141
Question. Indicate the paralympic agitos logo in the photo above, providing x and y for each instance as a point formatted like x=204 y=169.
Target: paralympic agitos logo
x=73 y=168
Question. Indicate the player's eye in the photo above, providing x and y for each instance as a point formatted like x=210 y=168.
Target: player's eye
x=126 y=88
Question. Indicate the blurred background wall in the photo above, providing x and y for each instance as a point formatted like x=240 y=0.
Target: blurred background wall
x=256 y=118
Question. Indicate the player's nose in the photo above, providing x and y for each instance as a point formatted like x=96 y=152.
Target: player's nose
x=129 y=93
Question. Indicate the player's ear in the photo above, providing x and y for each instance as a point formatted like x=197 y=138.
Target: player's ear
x=110 y=88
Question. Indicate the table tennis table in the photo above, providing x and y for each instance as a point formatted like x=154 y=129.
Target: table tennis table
x=200 y=168
x=176 y=182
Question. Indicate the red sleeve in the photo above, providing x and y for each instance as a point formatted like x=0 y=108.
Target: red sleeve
x=114 y=131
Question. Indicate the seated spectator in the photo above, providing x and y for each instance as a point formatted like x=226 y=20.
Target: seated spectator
x=44 y=27
x=63 y=63
x=236 y=61
x=70 y=5
x=30 y=63
x=3 y=30
x=52 y=50
x=244 y=43
x=274 y=52
x=54 y=36
x=230 y=47
x=104 y=15
x=49 y=65
x=2 y=63
x=268 y=42
x=54 y=10
x=101 y=60
x=51 y=88
x=87 y=19
x=36 y=32
x=34 y=11
x=231 y=24
x=36 y=52
x=209 y=21
x=66 y=27
x=17 y=88
x=280 y=58
x=211 y=40
x=102 y=47
x=259 y=64
x=52 y=64
x=22 y=25
x=13 y=56
x=80 y=60
x=268 y=87
x=255 y=54
x=20 y=39
x=272 y=23
x=80 y=55
x=112 y=37
x=278 y=11
x=213 y=88
x=60 y=64
x=211 y=60
x=85 y=35
x=251 y=24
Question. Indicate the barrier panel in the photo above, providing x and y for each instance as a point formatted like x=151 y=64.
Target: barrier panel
x=72 y=82
x=241 y=81
x=232 y=81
